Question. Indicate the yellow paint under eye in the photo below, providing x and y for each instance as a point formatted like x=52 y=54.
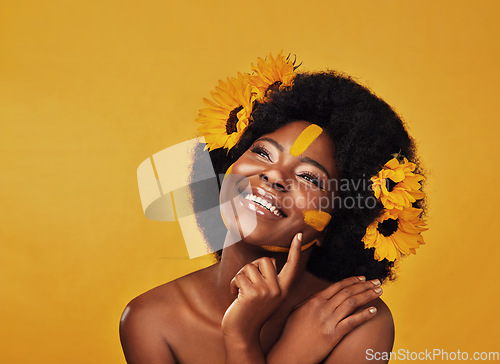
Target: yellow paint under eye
x=305 y=139
x=281 y=249
x=317 y=219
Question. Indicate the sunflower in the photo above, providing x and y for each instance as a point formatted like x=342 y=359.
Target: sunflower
x=226 y=118
x=396 y=185
x=272 y=74
x=395 y=237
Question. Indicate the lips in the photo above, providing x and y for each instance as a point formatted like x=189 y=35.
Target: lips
x=265 y=199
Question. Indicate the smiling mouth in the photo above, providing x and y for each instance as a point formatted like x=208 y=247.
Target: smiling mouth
x=267 y=205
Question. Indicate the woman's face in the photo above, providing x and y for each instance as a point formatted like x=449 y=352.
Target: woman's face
x=270 y=189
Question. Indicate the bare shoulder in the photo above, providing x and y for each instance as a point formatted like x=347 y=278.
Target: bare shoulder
x=142 y=325
x=382 y=320
x=375 y=335
x=148 y=319
x=150 y=308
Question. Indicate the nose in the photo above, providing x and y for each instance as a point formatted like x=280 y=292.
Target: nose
x=274 y=181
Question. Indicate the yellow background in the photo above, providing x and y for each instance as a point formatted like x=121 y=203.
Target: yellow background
x=89 y=89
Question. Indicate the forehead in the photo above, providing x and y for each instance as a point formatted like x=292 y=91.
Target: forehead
x=320 y=149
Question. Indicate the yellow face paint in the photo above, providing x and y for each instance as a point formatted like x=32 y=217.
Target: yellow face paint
x=317 y=219
x=228 y=171
x=281 y=249
x=305 y=139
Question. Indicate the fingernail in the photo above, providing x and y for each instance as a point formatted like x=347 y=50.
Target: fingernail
x=378 y=290
x=376 y=282
x=299 y=236
x=372 y=310
x=362 y=278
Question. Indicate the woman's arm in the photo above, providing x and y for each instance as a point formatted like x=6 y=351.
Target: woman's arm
x=260 y=292
x=243 y=350
x=368 y=341
x=317 y=327
x=141 y=337
x=313 y=329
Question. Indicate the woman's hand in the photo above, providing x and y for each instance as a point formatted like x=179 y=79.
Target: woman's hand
x=260 y=292
x=318 y=325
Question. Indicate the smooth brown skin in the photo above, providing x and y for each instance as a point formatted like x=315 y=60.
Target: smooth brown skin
x=279 y=312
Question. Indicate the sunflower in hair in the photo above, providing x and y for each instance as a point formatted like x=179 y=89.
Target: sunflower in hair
x=395 y=234
x=225 y=118
x=396 y=185
x=272 y=74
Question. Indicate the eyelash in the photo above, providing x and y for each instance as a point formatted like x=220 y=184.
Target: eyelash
x=260 y=150
x=308 y=176
x=313 y=178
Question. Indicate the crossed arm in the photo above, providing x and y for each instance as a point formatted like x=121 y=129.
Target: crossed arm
x=331 y=319
x=337 y=325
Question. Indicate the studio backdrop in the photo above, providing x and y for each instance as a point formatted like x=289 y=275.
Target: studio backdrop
x=89 y=90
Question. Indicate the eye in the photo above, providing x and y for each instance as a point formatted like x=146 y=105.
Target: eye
x=313 y=178
x=261 y=151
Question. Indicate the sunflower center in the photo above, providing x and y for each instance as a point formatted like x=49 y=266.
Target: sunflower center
x=399 y=157
x=390 y=184
x=232 y=120
x=388 y=227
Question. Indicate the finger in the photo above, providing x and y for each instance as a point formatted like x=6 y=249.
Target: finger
x=268 y=271
x=353 y=290
x=291 y=267
x=353 y=303
x=351 y=322
x=333 y=289
x=267 y=267
x=274 y=263
x=253 y=273
x=294 y=252
x=240 y=281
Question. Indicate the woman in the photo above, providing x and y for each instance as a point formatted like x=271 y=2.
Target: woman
x=323 y=200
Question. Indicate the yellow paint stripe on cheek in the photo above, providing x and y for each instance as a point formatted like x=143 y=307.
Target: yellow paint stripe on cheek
x=317 y=219
x=305 y=139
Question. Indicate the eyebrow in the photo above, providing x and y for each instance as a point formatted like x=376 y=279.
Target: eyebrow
x=302 y=158
x=273 y=142
x=314 y=163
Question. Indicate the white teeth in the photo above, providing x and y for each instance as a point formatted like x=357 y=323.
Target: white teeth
x=264 y=203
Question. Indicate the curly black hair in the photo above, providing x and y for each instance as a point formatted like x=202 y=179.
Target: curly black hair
x=365 y=131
